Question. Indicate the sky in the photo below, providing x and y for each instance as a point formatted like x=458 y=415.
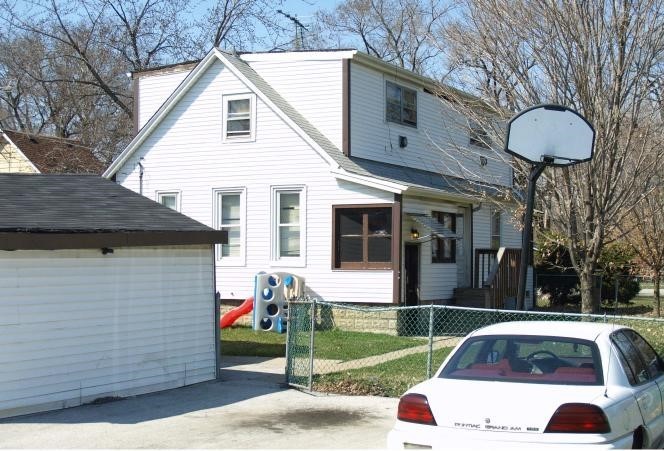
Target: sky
x=305 y=9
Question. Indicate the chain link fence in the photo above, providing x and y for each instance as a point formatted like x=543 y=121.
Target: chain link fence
x=383 y=351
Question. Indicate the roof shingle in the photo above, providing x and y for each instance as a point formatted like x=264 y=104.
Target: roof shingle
x=52 y=155
x=48 y=203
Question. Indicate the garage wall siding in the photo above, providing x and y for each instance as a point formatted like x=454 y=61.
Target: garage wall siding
x=77 y=325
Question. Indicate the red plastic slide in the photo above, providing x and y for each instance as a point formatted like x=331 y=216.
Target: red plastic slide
x=232 y=315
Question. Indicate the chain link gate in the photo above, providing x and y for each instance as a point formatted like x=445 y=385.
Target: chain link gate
x=299 y=343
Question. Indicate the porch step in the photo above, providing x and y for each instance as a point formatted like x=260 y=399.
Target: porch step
x=472 y=297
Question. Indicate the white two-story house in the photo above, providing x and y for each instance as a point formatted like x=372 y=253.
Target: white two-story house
x=331 y=165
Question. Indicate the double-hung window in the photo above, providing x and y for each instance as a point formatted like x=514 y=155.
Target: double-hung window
x=443 y=250
x=362 y=237
x=230 y=216
x=478 y=135
x=239 y=117
x=495 y=229
x=170 y=199
x=288 y=225
x=401 y=104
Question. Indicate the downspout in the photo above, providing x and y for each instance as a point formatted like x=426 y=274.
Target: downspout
x=140 y=176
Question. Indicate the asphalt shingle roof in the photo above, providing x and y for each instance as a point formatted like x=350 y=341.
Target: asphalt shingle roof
x=52 y=155
x=47 y=203
x=419 y=178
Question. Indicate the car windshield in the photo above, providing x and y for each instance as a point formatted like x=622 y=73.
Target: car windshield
x=526 y=359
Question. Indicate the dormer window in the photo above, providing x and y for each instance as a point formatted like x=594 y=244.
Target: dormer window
x=401 y=104
x=239 y=117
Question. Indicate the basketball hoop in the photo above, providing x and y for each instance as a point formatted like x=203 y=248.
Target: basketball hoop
x=545 y=135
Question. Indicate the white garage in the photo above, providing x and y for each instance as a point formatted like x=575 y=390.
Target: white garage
x=103 y=293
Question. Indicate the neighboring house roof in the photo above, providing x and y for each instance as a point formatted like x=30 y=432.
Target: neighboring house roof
x=48 y=211
x=341 y=165
x=52 y=155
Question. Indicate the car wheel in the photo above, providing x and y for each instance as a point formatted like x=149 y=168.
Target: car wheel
x=637 y=441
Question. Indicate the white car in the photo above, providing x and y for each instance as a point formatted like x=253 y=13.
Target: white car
x=535 y=385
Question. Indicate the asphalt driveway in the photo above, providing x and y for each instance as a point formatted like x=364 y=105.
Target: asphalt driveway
x=248 y=408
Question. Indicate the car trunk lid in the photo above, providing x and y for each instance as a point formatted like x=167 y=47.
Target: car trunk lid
x=501 y=406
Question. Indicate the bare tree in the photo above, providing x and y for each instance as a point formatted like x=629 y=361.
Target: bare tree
x=397 y=31
x=599 y=58
x=644 y=231
x=237 y=25
x=64 y=63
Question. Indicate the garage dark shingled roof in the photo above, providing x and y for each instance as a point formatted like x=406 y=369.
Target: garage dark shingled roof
x=89 y=208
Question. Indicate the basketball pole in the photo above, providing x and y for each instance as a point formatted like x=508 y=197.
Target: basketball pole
x=526 y=245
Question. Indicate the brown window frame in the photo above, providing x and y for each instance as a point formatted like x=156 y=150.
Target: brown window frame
x=438 y=253
x=364 y=264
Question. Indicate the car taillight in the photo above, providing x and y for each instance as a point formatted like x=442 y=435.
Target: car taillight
x=575 y=418
x=414 y=408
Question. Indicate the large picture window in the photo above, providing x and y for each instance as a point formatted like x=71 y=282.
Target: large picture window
x=401 y=104
x=443 y=250
x=363 y=237
x=230 y=217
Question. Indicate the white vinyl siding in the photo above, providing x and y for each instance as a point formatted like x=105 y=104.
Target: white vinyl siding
x=76 y=325
x=439 y=143
x=154 y=90
x=312 y=87
x=186 y=151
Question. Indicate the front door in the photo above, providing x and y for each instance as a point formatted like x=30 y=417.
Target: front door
x=412 y=270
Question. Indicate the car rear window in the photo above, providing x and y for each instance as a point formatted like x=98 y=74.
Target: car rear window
x=526 y=359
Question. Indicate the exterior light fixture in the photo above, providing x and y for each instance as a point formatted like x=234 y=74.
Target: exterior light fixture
x=414 y=234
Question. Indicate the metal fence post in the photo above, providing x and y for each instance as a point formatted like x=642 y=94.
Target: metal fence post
x=430 y=354
x=311 y=344
x=289 y=338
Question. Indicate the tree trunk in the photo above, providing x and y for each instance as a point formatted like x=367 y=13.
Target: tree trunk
x=658 y=275
x=588 y=302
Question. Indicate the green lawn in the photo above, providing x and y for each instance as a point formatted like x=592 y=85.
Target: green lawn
x=639 y=305
x=330 y=344
x=390 y=378
x=242 y=340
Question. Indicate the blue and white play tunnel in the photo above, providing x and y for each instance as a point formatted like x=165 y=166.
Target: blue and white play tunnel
x=271 y=295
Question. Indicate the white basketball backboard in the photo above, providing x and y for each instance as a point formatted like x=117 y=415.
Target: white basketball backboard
x=553 y=134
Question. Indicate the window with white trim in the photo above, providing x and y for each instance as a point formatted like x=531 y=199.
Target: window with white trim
x=495 y=229
x=288 y=224
x=230 y=216
x=239 y=117
x=400 y=104
x=170 y=199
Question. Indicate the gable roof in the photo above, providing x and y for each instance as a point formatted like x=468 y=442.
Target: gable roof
x=78 y=211
x=341 y=165
x=52 y=155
